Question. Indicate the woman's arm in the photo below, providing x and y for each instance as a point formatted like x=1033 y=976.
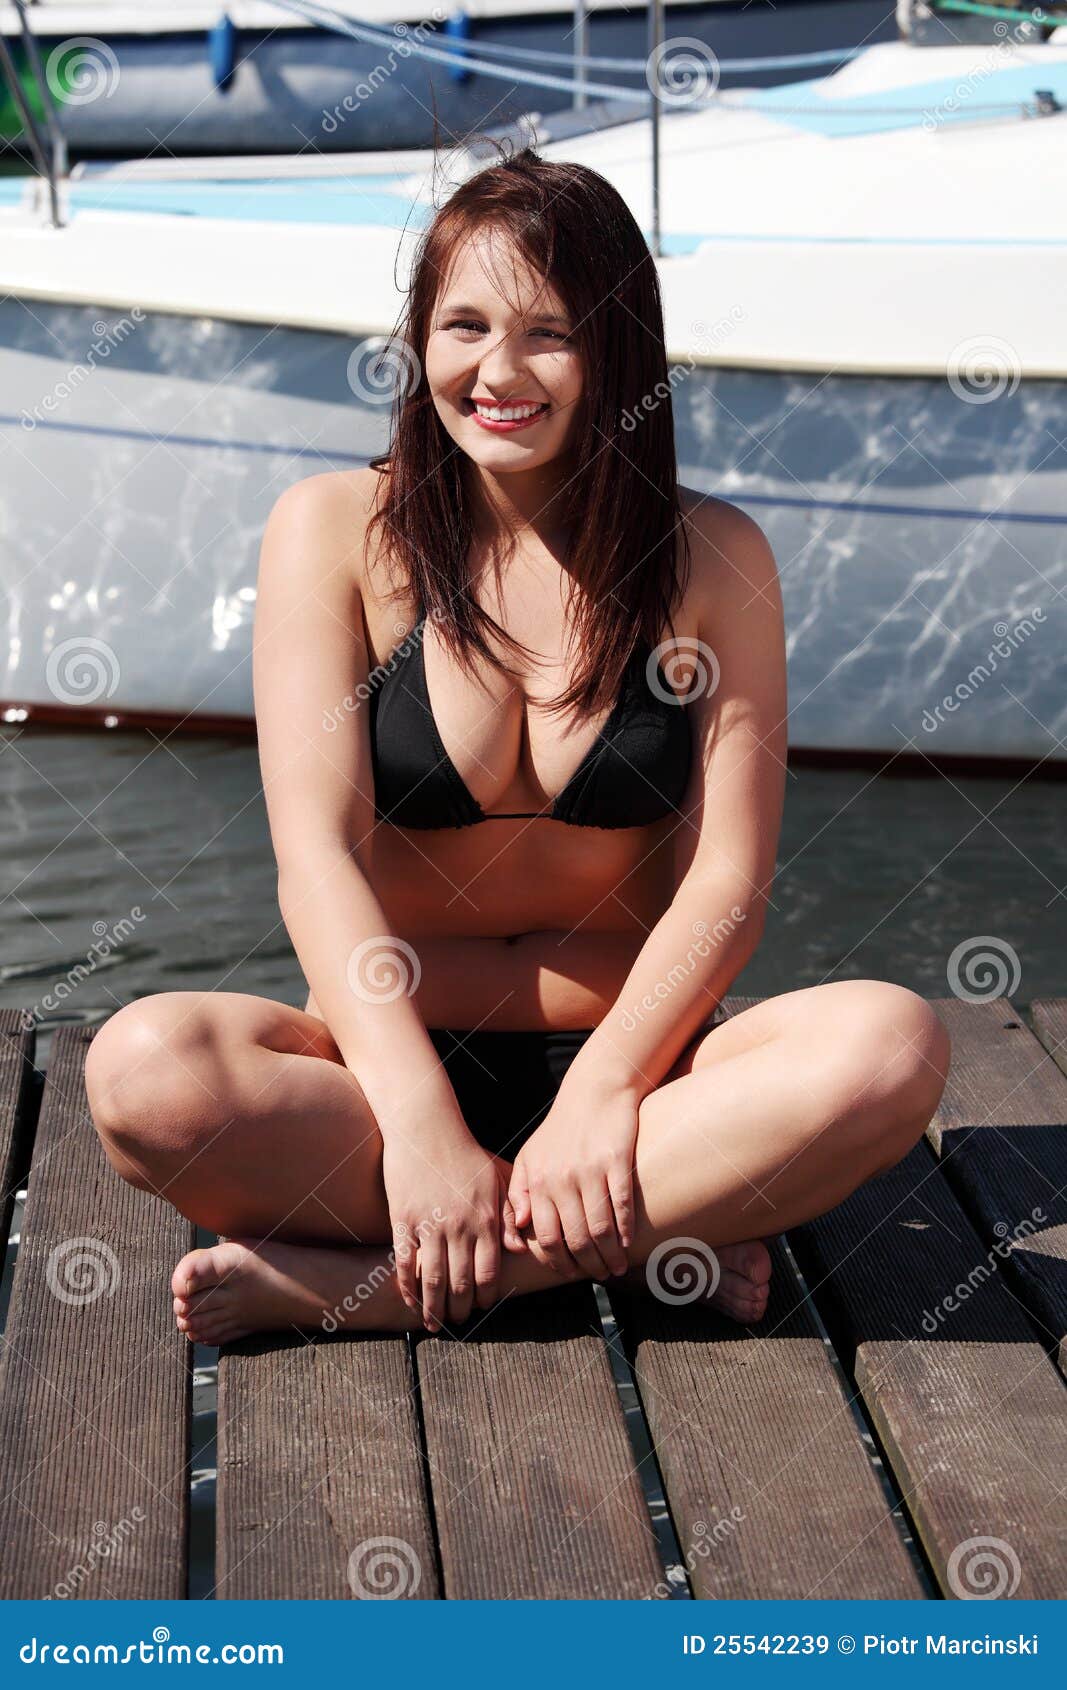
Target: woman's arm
x=573 y=1179
x=310 y=669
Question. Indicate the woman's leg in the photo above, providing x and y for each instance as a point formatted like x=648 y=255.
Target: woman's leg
x=772 y=1118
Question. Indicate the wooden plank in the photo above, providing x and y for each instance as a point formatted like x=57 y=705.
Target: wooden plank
x=18 y=1104
x=968 y=1406
x=770 y=1485
x=321 y=1492
x=1001 y=1131
x=534 y=1483
x=1049 y=1018
x=94 y=1387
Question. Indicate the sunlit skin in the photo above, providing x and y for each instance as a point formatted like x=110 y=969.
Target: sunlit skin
x=244 y=1112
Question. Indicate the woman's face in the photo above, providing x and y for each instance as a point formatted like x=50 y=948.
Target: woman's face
x=483 y=354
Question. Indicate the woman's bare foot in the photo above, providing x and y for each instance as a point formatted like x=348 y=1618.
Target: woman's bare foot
x=743 y=1287
x=246 y=1285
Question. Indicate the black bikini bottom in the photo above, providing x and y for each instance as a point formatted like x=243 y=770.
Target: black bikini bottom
x=505 y=1083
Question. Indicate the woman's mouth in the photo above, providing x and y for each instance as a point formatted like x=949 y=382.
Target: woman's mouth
x=505 y=419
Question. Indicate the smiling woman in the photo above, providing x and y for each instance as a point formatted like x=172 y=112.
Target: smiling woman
x=505 y=1067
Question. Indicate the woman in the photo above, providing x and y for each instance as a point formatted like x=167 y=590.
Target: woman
x=521 y=705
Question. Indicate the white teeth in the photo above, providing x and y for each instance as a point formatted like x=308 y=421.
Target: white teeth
x=506 y=413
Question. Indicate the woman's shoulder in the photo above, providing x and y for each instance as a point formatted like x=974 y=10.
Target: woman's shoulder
x=726 y=545
x=327 y=515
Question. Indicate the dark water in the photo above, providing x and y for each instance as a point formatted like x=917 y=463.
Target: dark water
x=158 y=854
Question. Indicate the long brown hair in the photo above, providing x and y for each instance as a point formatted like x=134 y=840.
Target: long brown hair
x=621 y=506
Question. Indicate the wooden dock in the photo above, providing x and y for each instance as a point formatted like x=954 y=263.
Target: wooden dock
x=895 y=1427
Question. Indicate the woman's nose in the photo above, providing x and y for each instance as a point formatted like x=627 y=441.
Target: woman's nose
x=501 y=364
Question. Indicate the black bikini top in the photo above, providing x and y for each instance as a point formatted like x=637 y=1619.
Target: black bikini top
x=635 y=771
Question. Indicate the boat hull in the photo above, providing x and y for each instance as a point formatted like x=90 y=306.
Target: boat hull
x=921 y=539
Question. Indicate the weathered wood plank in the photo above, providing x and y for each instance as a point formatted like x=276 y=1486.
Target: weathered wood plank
x=17 y=1108
x=1001 y=1131
x=534 y=1485
x=94 y=1384
x=1049 y=1017
x=320 y=1486
x=769 y=1482
x=962 y=1394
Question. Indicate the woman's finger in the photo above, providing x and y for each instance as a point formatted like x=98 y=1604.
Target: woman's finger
x=404 y=1255
x=513 y=1239
x=460 y=1278
x=519 y=1193
x=548 y=1231
x=433 y=1280
x=600 y=1216
x=487 y=1270
x=577 y=1234
x=621 y=1189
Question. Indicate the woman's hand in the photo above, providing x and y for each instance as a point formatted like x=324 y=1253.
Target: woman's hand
x=445 y=1196
x=572 y=1181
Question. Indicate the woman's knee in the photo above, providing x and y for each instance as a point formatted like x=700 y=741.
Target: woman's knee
x=155 y=1085
x=896 y=1053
